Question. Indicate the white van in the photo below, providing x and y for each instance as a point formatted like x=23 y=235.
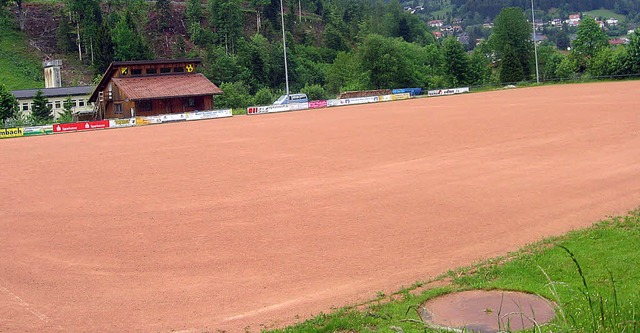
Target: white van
x=292 y=98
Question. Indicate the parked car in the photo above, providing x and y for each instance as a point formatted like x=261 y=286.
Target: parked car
x=291 y=98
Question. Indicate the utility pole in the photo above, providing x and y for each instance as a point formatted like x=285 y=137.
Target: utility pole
x=535 y=45
x=284 y=44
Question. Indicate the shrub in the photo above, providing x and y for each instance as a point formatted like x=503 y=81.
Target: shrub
x=264 y=96
x=235 y=95
x=314 y=92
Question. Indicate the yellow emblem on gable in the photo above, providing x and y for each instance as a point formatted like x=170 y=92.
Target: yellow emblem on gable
x=189 y=68
x=124 y=70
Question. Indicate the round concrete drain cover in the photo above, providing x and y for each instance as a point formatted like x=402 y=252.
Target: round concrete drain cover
x=487 y=311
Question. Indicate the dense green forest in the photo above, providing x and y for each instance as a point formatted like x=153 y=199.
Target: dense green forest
x=336 y=45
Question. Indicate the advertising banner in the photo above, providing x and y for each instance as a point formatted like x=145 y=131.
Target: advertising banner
x=34 y=130
x=296 y=106
x=273 y=108
x=277 y=108
x=48 y=129
x=359 y=100
x=141 y=121
x=410 y=91
x=61 y=128
x=173 y=117
x=333 y=102
x=443 y=92
x=198 y=115
x=90 y=125
x=397 y=97
x=386 y=98
x=317 y=104
x=80 y=126
x=118 y=123
x=11 y=132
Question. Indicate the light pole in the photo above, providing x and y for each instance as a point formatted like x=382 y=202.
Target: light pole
x=535 y=45
x=284 y=44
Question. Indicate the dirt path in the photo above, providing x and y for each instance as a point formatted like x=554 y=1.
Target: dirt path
x=265 y=220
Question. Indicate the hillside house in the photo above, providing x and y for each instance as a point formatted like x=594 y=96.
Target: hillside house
x=152 y=87
x=612 y=22
x=618 y=41
x=574 y=20
x=435 y=23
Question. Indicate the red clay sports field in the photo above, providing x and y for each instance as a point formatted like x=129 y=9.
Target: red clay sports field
x=261 y=221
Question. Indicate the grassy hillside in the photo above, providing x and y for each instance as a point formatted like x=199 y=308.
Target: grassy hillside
x=604 y=14
x=19 y=68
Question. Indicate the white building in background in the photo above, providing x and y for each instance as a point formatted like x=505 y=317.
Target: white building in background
x=55 y=93
x=56 y=97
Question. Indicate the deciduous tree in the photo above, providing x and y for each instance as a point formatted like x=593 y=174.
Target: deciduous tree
x=511 y=68
x=512 y=36
x=634 y=51
x=590 y=39
x=457 y=64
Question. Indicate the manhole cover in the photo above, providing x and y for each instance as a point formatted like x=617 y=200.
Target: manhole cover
x=488 y=311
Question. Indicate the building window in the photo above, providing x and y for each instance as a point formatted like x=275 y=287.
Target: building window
x=73 y=103
x=145 y=106
x=152 y=71
x=190 y=102
x=136 y=72
x=178 y=69
x=81 y=103
x=165 y=70
x=50 y=106
x=58 y=104
x=25 y=106
x=117 y=108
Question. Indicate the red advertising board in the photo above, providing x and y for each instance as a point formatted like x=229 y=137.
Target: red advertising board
x=80 y=126
x=317 y=104
x=252 y=110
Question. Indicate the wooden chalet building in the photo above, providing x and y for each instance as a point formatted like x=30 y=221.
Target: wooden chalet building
x=152 y=87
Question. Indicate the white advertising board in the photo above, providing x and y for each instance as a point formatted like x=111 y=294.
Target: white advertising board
x=198 y=115
x=444 y=92
x=277 y=108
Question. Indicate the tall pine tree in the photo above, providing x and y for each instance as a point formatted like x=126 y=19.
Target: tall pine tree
x=8 y=104
x=164 y=12
x=64 y=34
x=41 y=110
x=104 y=50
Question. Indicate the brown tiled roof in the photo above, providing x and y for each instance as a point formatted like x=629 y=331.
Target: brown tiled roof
x=166 y=86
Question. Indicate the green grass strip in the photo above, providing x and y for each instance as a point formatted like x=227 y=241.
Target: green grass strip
x=591 y=274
